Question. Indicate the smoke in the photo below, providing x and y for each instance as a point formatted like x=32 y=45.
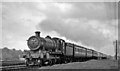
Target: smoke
x=88 y=32
x=78 y=23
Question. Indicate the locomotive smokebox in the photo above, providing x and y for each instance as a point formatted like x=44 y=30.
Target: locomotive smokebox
x=37 y=33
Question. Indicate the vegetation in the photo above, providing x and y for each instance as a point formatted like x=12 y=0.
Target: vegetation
x=10 y=54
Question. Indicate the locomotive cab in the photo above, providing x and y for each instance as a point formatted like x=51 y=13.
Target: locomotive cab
x=60 y=43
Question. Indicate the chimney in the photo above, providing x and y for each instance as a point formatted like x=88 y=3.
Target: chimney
x=37 y=33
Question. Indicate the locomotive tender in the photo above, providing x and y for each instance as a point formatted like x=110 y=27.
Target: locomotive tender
x=55 y=50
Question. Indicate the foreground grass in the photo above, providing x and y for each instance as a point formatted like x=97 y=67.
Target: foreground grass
x=92 y=64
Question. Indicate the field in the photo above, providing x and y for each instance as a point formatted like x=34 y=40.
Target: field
x=92 y=64
x=110 y=65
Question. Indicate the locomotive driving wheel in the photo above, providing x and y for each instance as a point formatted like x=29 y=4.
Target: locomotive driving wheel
x=50 y=62
x=27 y=62
x=39 y=62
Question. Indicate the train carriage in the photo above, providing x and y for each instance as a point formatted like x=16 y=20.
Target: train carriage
x=80 y=51
x=69 y=49
x=89 y=53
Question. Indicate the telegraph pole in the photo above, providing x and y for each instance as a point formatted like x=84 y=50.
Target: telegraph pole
x=116 y=48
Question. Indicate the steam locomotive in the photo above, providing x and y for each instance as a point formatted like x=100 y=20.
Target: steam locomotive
x=55 y=50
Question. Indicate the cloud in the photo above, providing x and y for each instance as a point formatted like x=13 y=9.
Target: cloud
x=108 y=49
x=1 y=25
x=89 y=32
x=93 y=10
x=19 y=22
x=85 y=23
x=64 y=7
x=92 y=24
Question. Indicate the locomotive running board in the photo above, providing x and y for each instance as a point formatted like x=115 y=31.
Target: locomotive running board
x=55 y=53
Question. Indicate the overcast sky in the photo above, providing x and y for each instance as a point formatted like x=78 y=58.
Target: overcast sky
x=92 y=24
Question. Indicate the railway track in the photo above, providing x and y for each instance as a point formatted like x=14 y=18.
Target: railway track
x=12 y=67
